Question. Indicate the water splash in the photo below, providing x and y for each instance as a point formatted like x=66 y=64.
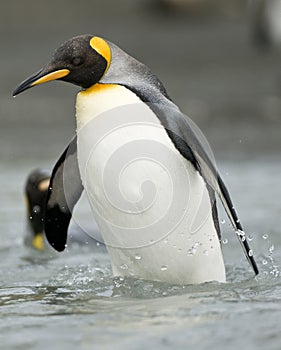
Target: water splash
x=271 y=268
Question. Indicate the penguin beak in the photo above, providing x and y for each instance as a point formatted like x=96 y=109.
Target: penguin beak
x=43 y=76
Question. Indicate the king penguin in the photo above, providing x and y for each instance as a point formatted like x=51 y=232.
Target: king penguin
x=150 y=181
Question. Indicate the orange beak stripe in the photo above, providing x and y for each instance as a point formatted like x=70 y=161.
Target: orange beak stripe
x=52 y=76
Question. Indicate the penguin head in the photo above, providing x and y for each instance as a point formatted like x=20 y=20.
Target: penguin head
x=82 y=61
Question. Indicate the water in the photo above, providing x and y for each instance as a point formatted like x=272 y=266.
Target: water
x=70 y=300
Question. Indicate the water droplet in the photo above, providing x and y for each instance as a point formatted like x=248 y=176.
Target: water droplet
x=36 y=209
x=117 y=284
x=165 y=241
x=225 y=241
x=243 y=238
x=250 y=252
x=182 y=233
x=271 y=249
x=98 y=243
x=164 y=268
x=190 y=252
x=240 y=233
x=31 y=217
x=180 y=249
x=123 y=267
x=205 y=252
x=264 y=262
x=250 y=237
x=222 y=221
x=137 y=257
x=265 y=236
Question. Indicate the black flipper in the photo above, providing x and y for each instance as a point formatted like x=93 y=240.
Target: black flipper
x=64 y=191
x=183 y=135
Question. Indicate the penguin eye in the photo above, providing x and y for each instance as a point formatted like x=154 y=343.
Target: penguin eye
x=77 y=61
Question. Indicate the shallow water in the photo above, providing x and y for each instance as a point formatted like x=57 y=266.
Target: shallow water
x=71 y=300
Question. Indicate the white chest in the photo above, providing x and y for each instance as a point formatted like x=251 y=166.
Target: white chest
x=151 y=205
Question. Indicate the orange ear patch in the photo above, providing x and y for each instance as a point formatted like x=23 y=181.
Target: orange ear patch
x=102 y=47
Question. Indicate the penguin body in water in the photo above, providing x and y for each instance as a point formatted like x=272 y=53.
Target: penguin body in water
x=149 y=180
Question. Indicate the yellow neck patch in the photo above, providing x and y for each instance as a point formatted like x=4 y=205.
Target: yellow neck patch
x=97 y=88
x=102 y=47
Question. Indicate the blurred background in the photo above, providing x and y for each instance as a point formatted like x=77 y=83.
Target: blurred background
x=219 y=60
